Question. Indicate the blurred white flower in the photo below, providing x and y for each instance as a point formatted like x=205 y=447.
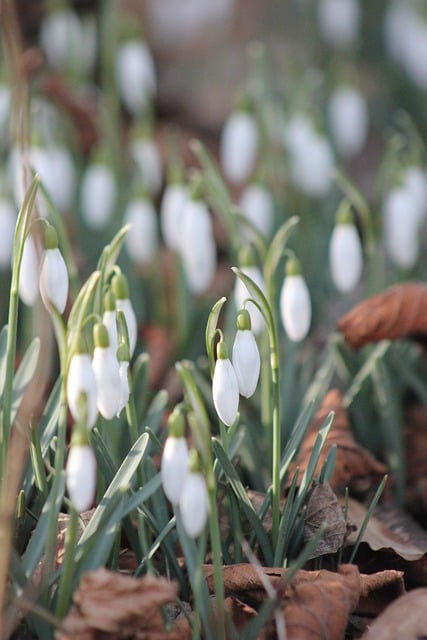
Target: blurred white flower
x=339 y=21
x=81 y=384
x=98 y=196
x=142 y=240
x=68 y=41
x=345 y=256
x=348 y=118
x=54 y=280
x=135 y=75
x=246 y=359
x=7 y=231
x=174 y=467
x=197 y=246
x=171 y=214
x=295 y=305
x=401 y=227
x=148 y=162
x=29 y=273
x=257 y=205
x=194 y=503
x=225 y=387
x=239 y=146
x=107 y=375
x=80 y=474
x=415 y=181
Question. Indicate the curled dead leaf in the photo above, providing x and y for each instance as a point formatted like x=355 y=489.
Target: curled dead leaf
x=405 y=618
x=323 y=508
x=395 y=313
x=355 y=467
x=119 y=607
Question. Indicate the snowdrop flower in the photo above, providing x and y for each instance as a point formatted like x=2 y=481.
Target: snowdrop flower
x=148 y=163
x=29 y=273
x=225 y=387
x=7 y=231
x=295 y=304
x=81 y=385
x=120 y=289
x=123 y=357
x=415 y=180
x=80 y=474
x=109 y=319
x=142 y=241
x=245 y=355
x=174 y=466
x=5 y=95
x=171 y=214
x=67 y=41
x=339 y=21
x=98 y=195
x=106 y=369
x=197 y=246
x=239 y=146
x=401 y=227
x=348 y=118
x=257 y=205
x=194 y=499
x=135 y=75
x=345 y=252
x=53 y=274
x=241 y=293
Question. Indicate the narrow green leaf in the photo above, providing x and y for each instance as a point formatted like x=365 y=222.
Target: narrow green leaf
x=80 y=307
x=211 y=327
x=368 y=516
x=3 y=359
x=200 y=425
x=24 y=374
x=156 y=410
x=365 y=372
x=258 y=297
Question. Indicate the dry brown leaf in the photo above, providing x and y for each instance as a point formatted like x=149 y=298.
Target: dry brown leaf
x=395 y=313
x=323 y=508
x=355 y=467
x=404 y=619
x=117 y=606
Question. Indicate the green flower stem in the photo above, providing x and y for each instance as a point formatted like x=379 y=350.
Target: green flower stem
x=217 y=560
x=66 y=584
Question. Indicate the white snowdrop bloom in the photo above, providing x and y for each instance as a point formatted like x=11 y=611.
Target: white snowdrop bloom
x=53 y=276
x=80 y=474
x=398 y=26
x=135 y=75
x=142 y=240
x=348 y=118
x=67 y=41
x=295 y=304
x=5 y=95
x=106 y=369
x=345 y=256
x=339 y=21
x=241 y=294
x=124 y=385
x=29 y=273
x=171 y=214
x=174 y=467
x=239 y=146
x=123 y=303
x=246 y=359
x=225 y=387
x=62 y=184
x=401 y=227
x=81 y=383
x=109 y=319
x=98 y=196
x=194 y=503
x=146 y=156
x=7 y=231
x=312 y=167
x=297 y=133
x=257 y=205
x=197 y=247
x=415 y=180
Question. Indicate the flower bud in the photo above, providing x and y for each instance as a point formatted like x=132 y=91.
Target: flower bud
x=80 y=474
x=106 y=369
x=194 y=500
x=225 y=387
x=121 y=291
x=67 y=41
x=29 y=273
x=135 y=75
x=53 y=274
x=174 y=467
x=348 y=118
x=295 y=305
x=345 y=255
x=245 y=356
x=401 y=227
x=257 y=206
x=81 y=384
x=171 y=214
x=142 y=240
x=239 y=146
x=98 y=196
x=197 y=246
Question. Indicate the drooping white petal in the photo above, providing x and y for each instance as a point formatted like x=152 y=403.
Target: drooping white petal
x=29 y=273
x=239 y=147
x=197 y=247
x=124 y=386
x=241 y=294
x=415 y=180
x=142 y=241
x=135 y=75
x=109 y=319
x=98 y=196
x=225 y=391
x=54 y=280
x=346 y=258
x=339 y=21
x=81 y=380
x=257 y=206
x=7 y=231
x=125 y=305
x=171 y=214
x=246 y=362
x=106 y=369
x=61 y=37
x=401 y=227
x=295 y=307
x=174 y=467
x=80 y=476
x=312 y=166
x=348 y=118
x=194 y=504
